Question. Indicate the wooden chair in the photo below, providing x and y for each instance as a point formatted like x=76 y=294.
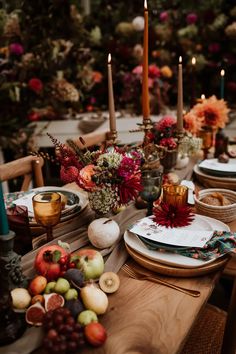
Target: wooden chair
x=90 y=139
x=214 y=331
x=30 y=167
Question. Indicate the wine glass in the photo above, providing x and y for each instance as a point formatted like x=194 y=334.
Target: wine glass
x=206 y=134
x=47 y=210
x=152 y=182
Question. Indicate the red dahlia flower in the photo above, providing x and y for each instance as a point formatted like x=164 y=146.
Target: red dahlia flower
x=129 y=188
x=35 y=85
x=173 y=216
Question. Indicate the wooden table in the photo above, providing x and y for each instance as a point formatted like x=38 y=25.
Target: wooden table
x=144 y=317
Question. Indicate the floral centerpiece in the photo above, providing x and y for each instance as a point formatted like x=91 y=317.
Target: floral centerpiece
x=111 y=176
x=211 y=112
x=164 y=132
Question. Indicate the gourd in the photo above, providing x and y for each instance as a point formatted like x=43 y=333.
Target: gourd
x=103 y=232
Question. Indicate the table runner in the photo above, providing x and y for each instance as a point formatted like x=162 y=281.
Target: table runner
x=116 y=257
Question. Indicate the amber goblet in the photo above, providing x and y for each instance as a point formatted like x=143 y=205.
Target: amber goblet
x=47 y=210
x=206 y=134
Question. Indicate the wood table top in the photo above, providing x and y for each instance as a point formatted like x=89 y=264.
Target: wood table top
x=148 y=318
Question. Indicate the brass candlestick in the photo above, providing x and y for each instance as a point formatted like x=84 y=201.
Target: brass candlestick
x=179 y=136
x=111 y=137
x=145 y=127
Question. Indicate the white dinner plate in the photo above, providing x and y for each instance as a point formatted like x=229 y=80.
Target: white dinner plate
x=173 y=259
x=214 y=167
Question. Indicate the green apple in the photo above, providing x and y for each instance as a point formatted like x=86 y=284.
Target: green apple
x=71 y=294
x=50 y=287
x=87 y=316
x=62 y=286
x=91 y=263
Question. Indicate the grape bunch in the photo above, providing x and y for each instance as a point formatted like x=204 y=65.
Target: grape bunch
x=63 y=334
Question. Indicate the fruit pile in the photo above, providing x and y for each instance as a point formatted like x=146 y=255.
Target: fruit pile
x=65 y=299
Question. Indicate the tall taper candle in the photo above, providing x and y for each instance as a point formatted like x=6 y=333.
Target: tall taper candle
x=222 y=84
x=145 y=92
x=4 y=229
x=112 y=114
x=193 y=88
x=180 y=98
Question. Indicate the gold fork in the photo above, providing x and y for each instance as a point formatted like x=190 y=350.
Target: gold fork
x=135 y=274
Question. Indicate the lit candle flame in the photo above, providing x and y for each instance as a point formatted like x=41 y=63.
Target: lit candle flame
x=203 y=97
x=145 y=4
x=109 y=58
x=222 y=73
x=193 y=61
x=180 y=60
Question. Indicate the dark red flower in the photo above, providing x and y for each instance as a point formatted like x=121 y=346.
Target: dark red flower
x=68 y=174
x=191 y=18
x=130 y=188
x=35 y=85
x=173 y=216
x=33 y=116
x=153 y=71
x=16 y=49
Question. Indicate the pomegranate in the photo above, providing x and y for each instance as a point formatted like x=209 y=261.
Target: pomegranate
x=47 y=261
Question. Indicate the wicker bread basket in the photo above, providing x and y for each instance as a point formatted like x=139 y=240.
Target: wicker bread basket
x=226 y=213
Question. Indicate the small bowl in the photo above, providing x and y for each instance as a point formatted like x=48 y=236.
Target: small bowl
x=225 y=213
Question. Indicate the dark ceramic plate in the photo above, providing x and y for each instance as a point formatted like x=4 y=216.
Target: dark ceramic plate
x=217 y=173
x=159 y=245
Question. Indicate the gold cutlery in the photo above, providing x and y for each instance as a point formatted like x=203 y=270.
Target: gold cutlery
x=139 y=275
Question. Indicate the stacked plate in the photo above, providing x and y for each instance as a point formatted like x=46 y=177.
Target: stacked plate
x=160 y=257
x=212 y=173
x=75 y=203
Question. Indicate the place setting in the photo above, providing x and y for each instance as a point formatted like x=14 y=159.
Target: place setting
x=175 y=241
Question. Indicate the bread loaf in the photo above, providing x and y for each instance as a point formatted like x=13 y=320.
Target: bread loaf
x=216 y=199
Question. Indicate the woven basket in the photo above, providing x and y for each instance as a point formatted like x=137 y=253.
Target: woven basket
x=206 y=336
x=226 y=213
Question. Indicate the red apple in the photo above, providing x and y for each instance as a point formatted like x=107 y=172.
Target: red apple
x=47 y=261
x=37 y=285
x=95 y=334
x=90 y=262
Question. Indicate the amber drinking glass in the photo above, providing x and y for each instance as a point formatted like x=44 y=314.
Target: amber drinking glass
x=47 y=210
x=206 y=134
x=175 y=195
x=152 y=183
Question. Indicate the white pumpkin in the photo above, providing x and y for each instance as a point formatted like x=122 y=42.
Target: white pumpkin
x=103 y=232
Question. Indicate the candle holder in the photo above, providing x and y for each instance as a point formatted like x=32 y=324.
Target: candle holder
x=179 y=134
x=12 y=325
x=111 y=137
x=145 y=127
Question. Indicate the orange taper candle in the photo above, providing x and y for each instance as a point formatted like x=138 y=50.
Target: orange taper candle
x=145 y=92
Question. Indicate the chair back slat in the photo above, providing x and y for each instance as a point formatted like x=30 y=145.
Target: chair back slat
x=29 y=167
